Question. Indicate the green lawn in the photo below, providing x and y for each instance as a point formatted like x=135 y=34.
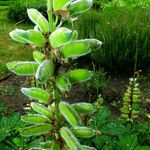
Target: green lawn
x=9 y=49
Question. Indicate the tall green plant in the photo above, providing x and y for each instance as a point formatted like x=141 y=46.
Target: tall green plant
x=54 y=46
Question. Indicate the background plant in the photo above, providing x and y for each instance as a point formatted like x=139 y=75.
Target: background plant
x=122 y=30
x=55 y=45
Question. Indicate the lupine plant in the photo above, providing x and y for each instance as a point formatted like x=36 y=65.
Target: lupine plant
x=54 y=46
x=131 y=102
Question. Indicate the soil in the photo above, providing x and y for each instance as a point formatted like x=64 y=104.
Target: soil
x=112 y=94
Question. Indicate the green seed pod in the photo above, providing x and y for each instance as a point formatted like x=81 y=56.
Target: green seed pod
x=69 y=114
x=46 y=145
x=82 y=132
x=45 y=70
x=83 y=107
x=70 y=139
x=41 y=109
x=63 y=83
x=84 y=147
x=37 y=93
x=37 y=129
x=55 y=146
x=38 y=56
x=124 y=116
x=35 y=119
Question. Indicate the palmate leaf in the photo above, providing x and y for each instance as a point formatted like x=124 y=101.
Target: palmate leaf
x=45 y=70
x=59 y=4
x=79 y=75
x=37 y=93
x=63 y=83
x=26 y=68
x=29 y=36
x=37 y=18
x=79 y=6
x=41 y=109
x=61 y=36
x=82 y=132
x=85 y=108
x=37 y=129
x=38 y=56
x=69 y=114
x=35 y=119
x=70 y=139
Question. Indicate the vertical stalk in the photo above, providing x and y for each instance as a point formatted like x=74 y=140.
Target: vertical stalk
x=50 y=15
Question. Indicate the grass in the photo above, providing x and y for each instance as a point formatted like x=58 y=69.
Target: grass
x=10 y=50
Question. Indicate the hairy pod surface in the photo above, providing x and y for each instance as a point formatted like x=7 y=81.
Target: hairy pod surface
x=69 y=114
x=82 y=132
x=37 y=93
x=70 y=139
x=41 y=109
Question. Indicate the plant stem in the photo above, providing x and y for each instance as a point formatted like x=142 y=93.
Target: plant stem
x=50 y=14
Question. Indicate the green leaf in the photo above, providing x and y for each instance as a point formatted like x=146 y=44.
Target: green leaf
x=69 y=114
x=78 y=48
x=59 y=4
x=75 y=49
x=35 y=119
x=70 y=139
x=23 y=67
x=41 y=109
x=29 y=36
x=37 y=18
x=84 y=147
x=45 y=70
x=79 y=6
x=79 y=75
x=38 y=56
x=61 y=36
x=63 y=83
x=37 y=93
x=12 y=64
x=55 y=146
x=37 y=129
x=85 y=108
x=46 y=145
x=82 y=132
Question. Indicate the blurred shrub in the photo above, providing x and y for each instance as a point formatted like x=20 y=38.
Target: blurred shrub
x=98 y=82
x=18 y=10
x=100 y=3
x=127 y=3
x=122 y=31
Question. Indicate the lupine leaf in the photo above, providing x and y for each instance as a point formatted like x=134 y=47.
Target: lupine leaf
x=63 y=83
x=23 y=67
x=37 y=18
x=82 y=132
x=61 y=36
x=84 y=147
x=79 y=75
x=37 y=93
x=37 y=129
x=59 y=4
x=83 y=107
x=70 y=139
x=79 y=6
x=12 y=64
x=75 y=49
x=44 y=71
x=69 y=114
x=29 y=36
x=38 y=56
x=41 y=109
x=55 y=145
x=35 y=119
